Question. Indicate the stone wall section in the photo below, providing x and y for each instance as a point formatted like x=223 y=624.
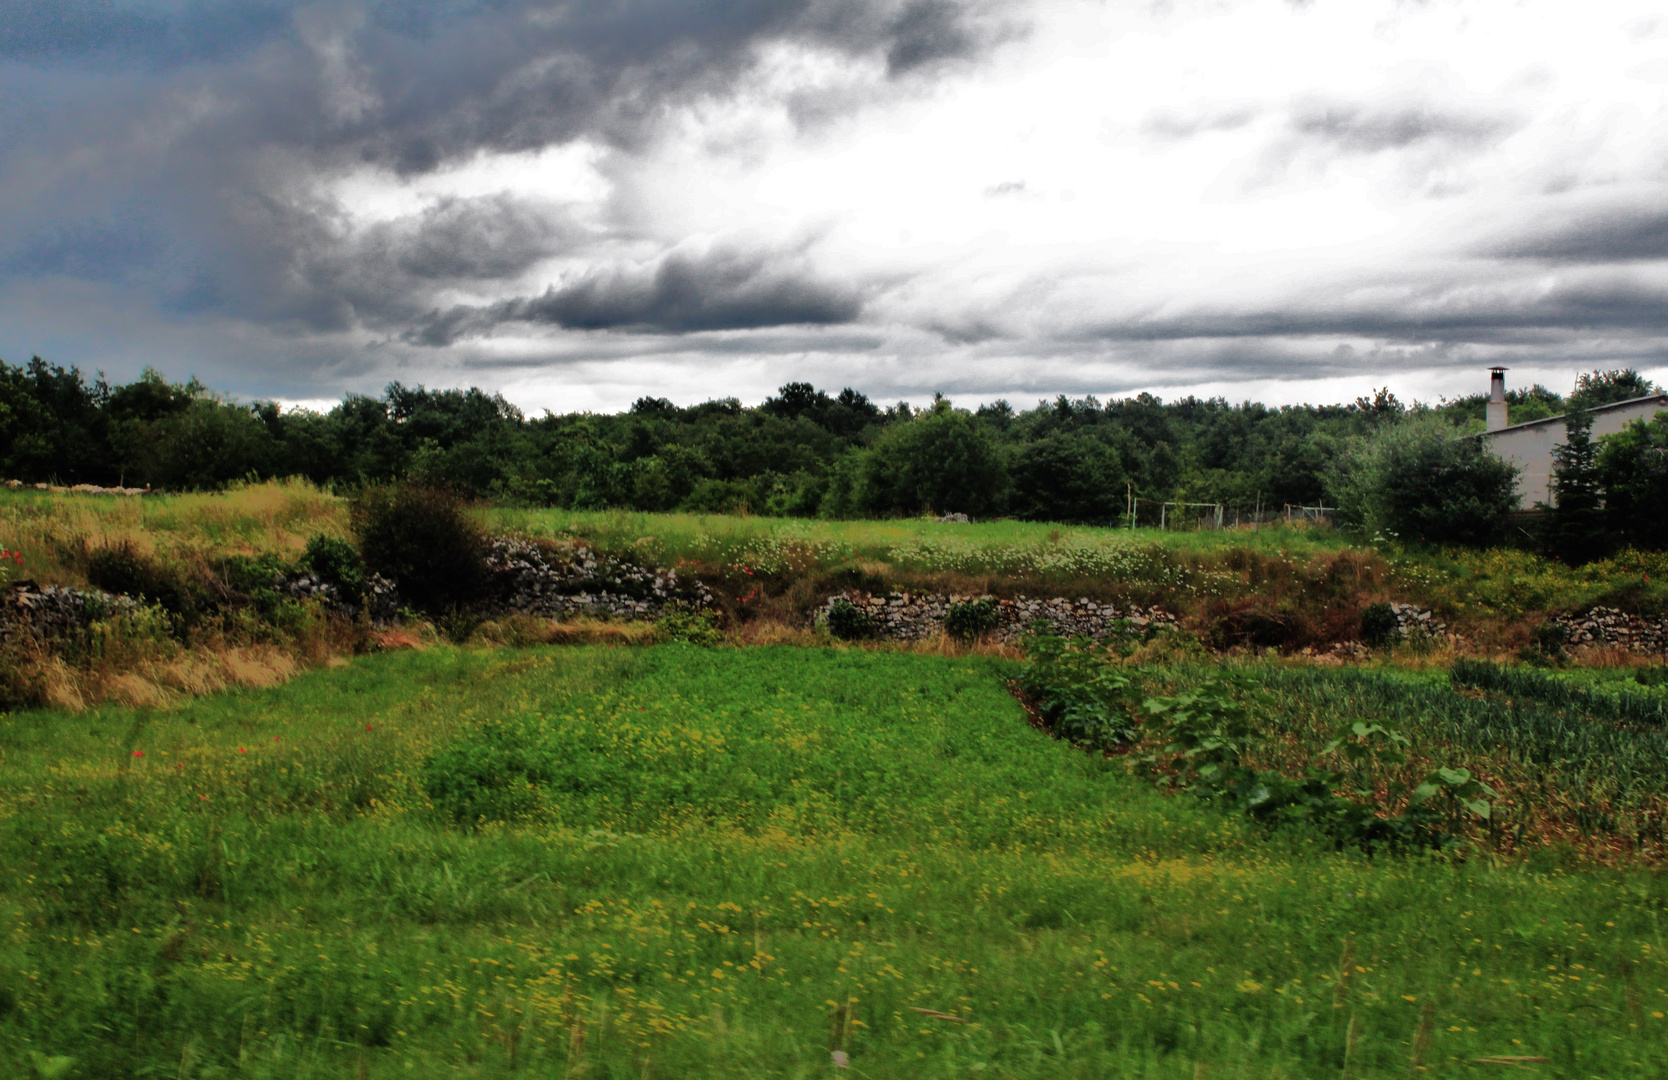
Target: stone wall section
x=910 y=616
x=56 y=611
x=77 y=489
x=1613 y=627
x=531 y=580
x=1413 y=622
x=381 y=602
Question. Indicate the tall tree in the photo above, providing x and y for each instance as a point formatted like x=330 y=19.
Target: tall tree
x=1575 y=527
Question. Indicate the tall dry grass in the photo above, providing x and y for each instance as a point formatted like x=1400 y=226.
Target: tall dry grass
x=56 y=531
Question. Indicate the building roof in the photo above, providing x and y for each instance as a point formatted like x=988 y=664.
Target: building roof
x=1660 y=399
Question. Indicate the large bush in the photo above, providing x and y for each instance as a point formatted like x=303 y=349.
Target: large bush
x=1417 y=481
x=421 y=538
x=942 y=461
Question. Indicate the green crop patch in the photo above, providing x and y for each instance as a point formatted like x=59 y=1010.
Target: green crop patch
x=687 y=862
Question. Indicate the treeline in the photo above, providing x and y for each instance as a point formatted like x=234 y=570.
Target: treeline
x=803 y=452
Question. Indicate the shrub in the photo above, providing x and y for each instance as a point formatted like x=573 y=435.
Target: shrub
x=693 y=627
x=1416 y=481
x=1546 y=643
x=123 y=569
x=255 y=578
x=848 y=622
x=971 y=619
x=336 y=562
x=423 y=540
x=250 y=574
x=1378 y=624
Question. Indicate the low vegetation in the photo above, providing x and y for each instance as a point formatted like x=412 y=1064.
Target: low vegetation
x=684 y=861
x=203 y=564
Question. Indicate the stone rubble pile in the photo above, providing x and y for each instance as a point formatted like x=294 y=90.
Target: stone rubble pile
x=1613 y=627
x=79 y=489
x=381 y=602
x=56 y=611
x=578 y=581
x=1411 y=622
x=916 y=615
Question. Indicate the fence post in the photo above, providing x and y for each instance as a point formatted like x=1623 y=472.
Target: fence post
x=1162 y=509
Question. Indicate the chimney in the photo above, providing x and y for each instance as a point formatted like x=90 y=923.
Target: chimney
x=1497 y=399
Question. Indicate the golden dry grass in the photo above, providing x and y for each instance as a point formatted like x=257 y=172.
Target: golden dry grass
x=56 y=531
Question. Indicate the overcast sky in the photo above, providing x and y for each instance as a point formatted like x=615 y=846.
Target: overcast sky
x=582 y=203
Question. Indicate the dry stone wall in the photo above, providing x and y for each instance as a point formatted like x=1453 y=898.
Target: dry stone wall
x=909 y=616
x=56 y=611
x=80 y=489
x=380 y=603
x=1613 y=627
x=554 y=583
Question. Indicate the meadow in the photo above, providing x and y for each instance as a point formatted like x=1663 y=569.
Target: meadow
x=681 y=862
x=1493 y=595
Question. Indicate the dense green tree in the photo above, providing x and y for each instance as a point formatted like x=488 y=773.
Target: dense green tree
x=1632 y=469
x=1574 y=527
x=803 y=451
x=943 y=461
x=1063 y=477
x=1596 y=388
x=1417 y=481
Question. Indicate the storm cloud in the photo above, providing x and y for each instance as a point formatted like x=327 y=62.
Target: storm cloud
x=683 y=292
x=996 y=196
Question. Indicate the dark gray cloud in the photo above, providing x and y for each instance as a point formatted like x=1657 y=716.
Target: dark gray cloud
x=103 y=32
x=1497 y=312
x=172 y=142
x=1616 y=234
x=1371 y=127
x=485 y=239
x=683 y=292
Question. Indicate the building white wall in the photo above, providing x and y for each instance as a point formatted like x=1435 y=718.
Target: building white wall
x=1530 y=446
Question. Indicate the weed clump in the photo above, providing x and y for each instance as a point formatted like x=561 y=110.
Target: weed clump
x=1546 y=645
x=848 y=622
x=692 y=627
x=1378 y=624
x=336 y=562
x=124 y=570
x=972 y=619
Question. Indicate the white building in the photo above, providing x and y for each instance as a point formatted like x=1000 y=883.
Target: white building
x=1529 y=446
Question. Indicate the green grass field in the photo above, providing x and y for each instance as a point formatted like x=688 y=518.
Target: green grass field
x=737 y=863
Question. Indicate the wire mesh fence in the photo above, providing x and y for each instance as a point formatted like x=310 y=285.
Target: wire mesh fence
x=1178 y=515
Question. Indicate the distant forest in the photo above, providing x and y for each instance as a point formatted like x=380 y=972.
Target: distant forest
x=803 y=452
